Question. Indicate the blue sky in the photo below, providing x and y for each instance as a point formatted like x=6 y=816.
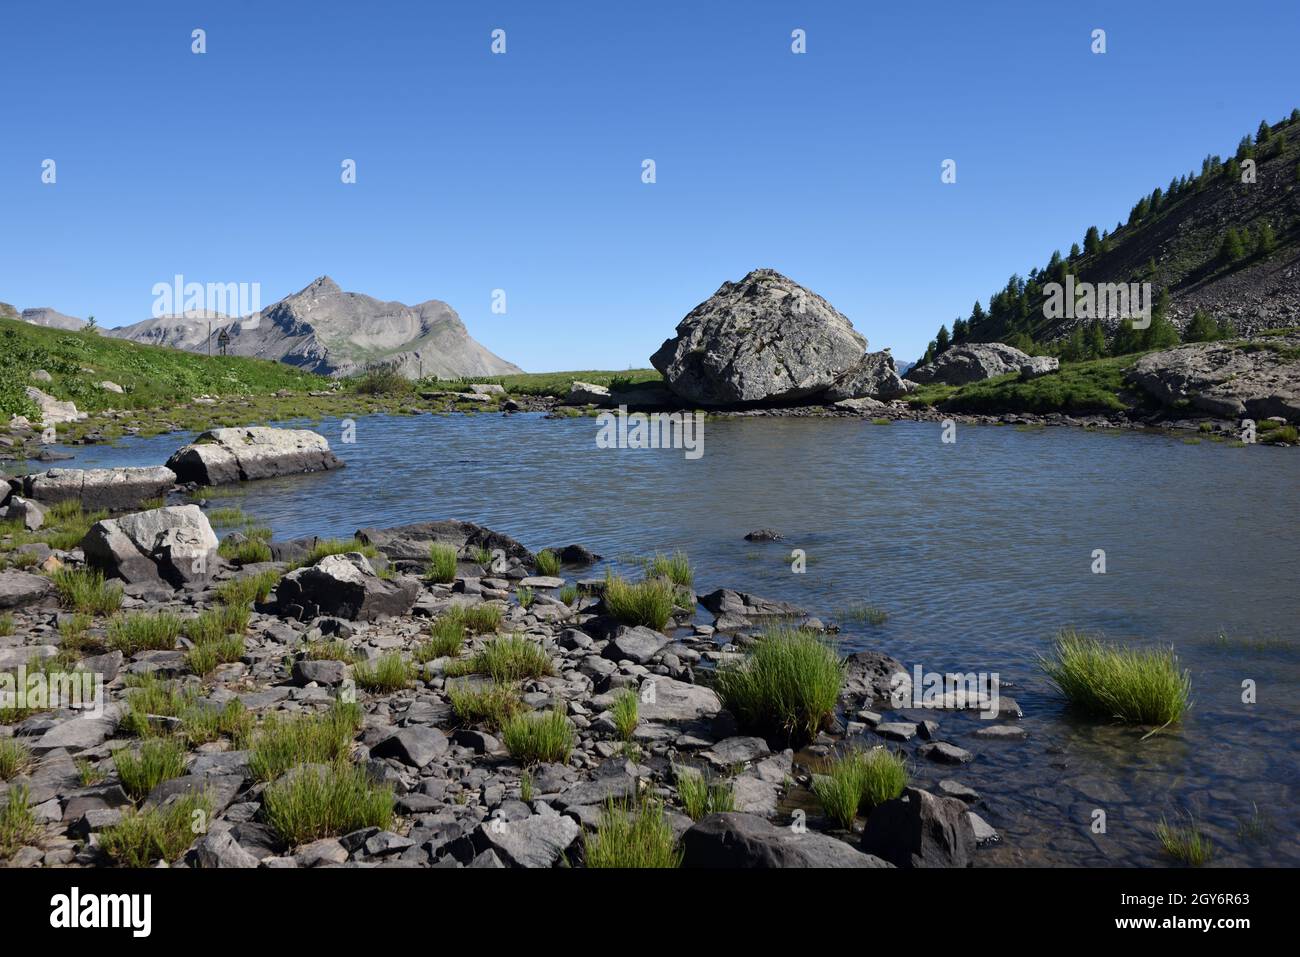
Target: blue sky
x=523 y=171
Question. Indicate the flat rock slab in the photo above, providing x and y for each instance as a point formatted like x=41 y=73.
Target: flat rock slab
x=416 y=745
x=222 y=456
x=1002 y=732
x=736 y=840
x=19 y=588
x=638 y=644
x=537 y=841
x=896 y=730
x=945 y=753
x=115 y=489
x=738 y=750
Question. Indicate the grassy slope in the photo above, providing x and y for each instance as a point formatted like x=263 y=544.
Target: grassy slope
x=152 y=376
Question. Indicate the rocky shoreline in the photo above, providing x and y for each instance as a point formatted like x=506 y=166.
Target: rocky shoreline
x=323 y=620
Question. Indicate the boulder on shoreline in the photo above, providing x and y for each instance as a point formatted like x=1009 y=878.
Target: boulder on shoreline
x=735 y=840
x=1259 y=379
x=969 y=362
x=175 y=545
x=53 y=411
x=223 y=456
x=920 y=829
x=873 y=377
x=115 y=489
x=413 y=541
x=763 y=339
x=344 y=586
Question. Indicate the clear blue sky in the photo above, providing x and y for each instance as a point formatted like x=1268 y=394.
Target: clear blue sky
x=523 y=171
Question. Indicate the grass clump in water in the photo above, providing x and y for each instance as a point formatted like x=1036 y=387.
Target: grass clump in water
x=649 y=603
x=314 y=803
x=548 y=563
x=632 y=838
x=859 y=781
x=1185 y=842
x=539 y=737
x=675 y=567
x=1130 y=685
x=787 y=685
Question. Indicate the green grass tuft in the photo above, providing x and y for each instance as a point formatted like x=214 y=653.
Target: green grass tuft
x=625 y=713
x=859 y=781
x=249 y=588
x=1136 y=686
x=632 y=838
x=160 y=833
x=510 y=658
x=1185 y=842
x=316 y=739
x=84 y=590
x=442 y=563
x=701 y=796
x=15 y=758
x=539 y=737
x=548 y=563
x=390 y=673
x=787 y=685
x=493 y=706
x=139 y=631
x=649 y=603
x=158 y=760
x=18 y=827
x=311 y=804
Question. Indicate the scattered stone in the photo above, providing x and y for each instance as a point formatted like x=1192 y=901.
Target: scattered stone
x=944 y=753
x=345 y=586
x=1002 y=732
x=416 y=745
x=22 y=588
x=982 y=830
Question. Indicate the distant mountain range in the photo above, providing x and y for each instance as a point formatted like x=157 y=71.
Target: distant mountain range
x=321 y=329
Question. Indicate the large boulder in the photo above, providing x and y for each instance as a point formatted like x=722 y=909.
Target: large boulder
x=920 y=829
x=873 y=377
x=115 y=489
x=734 y=610
x=344 y=586
x=1259 y=380
x=173 y=545
x=970 y=362
x=53 y=411
x=735 y=840
x=584 y=393
x=413 y=541
x=765 y=339
x=1037 y=366
x=222 y=456
x=870 y=676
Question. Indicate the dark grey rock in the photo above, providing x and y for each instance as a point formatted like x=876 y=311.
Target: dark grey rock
x=735 y=840
x=919 y=829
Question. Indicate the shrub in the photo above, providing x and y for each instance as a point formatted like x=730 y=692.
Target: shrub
x=493 y=706
x=786 y=685
x=312 y=803
x=160 y=833
x=1129 y=685
x=859 y=781
x=649 y=603
x=442 y=563
x=700 y=796
x=84 y=590
x=306 y=739
x=158 y=760
x=626 y=838
x=548 y=563
x=392 y=672
x=533 y=738
x=625 y=713
x=144 y=632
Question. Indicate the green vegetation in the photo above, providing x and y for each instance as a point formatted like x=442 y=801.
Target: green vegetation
x=390 y=673
x=1076 y=388
x=446 y=638
x=701 y=796
x=306 y=739
x=493 y=706
x=625 y=713
x=539 y=737
x=6 y=624
x=139 y=631
x=248 y=548
x=1129 y=685
x=787 y=685
x=627 y=838
x=858 y=781
x=442 y=563
x=311 y=803
x=151 y=376
x=158 y=760
x=548 y=383
x=569 y=594
x=861 y=611
x=1185 y=842
x=649 y=602
x=248 y=589
x=548 y=563
x=675 y=567
x=84 y=590
x=160 y=833
x=18 y=827
x=507 y=658
x=15 y=758
x=477 y=619
x=333 y=546
x=525 y=596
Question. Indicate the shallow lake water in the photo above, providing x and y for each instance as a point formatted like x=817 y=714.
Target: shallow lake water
x=980 y=551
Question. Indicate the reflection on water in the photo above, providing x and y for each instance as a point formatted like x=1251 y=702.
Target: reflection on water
x=980 y=551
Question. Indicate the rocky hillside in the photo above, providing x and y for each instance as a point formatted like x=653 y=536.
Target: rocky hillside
x=325 y=330
x=43 y=316
x=1208 y=240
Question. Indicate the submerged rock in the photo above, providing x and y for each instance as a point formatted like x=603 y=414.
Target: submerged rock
x=222 y=456
x=763 y=339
